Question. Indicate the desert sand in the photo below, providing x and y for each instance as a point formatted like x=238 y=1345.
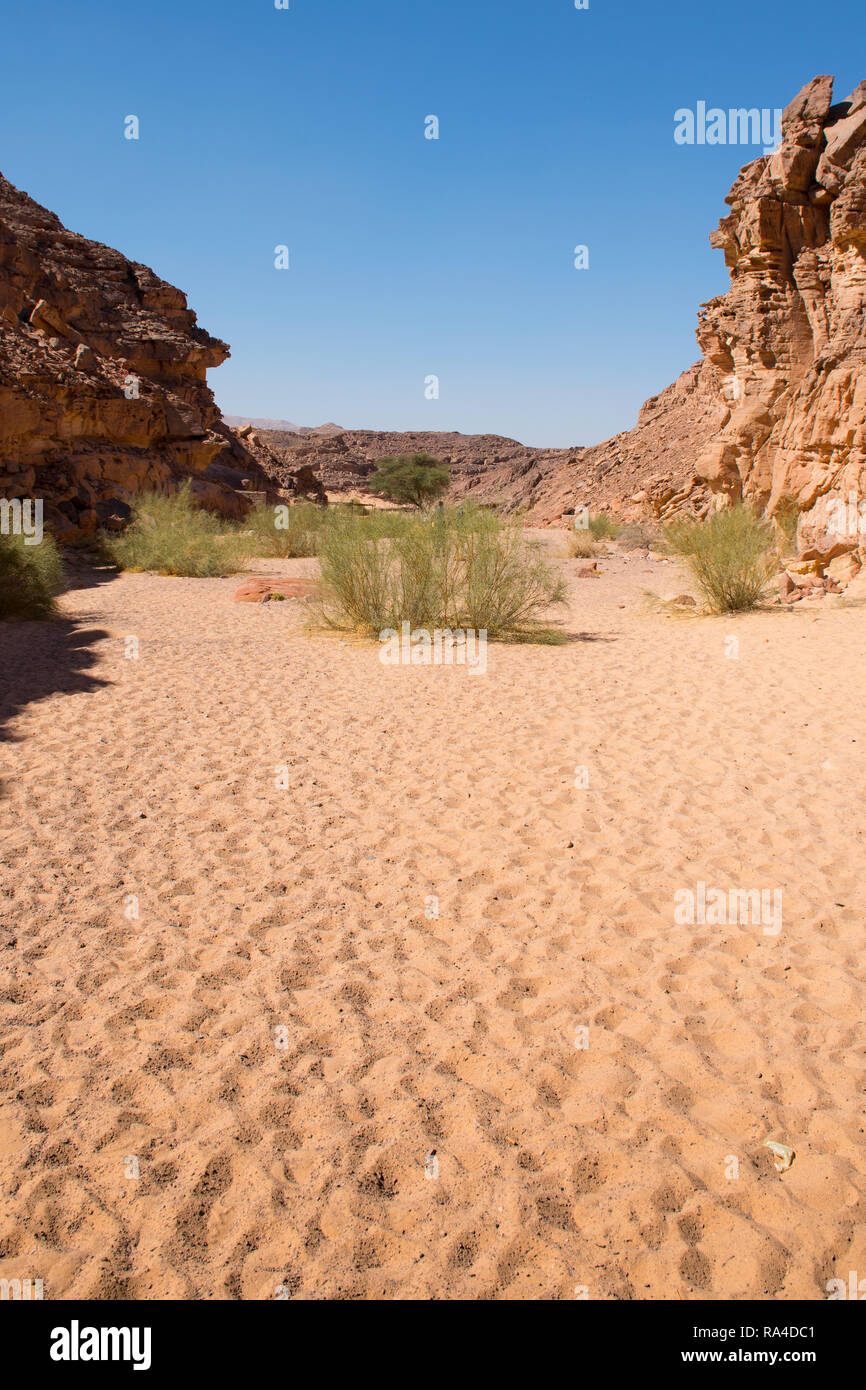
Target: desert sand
x=286 y=1040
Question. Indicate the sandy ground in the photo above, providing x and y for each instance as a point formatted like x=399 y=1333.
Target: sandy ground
x=285 y=1033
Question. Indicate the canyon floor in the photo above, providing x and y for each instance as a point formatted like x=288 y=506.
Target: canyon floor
x=239 y=1091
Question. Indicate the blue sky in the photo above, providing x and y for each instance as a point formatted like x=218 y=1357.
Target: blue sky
x=412 y=257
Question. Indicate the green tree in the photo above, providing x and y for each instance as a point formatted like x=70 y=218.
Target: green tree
x=414 y=478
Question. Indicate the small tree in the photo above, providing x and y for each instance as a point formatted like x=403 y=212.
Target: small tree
x=414 y=478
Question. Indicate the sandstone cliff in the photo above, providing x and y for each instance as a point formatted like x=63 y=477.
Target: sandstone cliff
x=103 y=389
x=787 y=343
x=775 y=411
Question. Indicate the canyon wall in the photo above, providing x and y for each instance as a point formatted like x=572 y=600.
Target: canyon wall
x=775 y=412
x=787 y=344
x=103 y=390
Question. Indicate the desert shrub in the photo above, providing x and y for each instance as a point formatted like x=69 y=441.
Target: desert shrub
x=581 y=544
x=729 y=554
x=603 y=527
x=445 y=569
x=173 y=535
x=30 y=577
x=355 y=569
x=285 y=530
x=639 y=535
x=507 y=581
x=413 y=478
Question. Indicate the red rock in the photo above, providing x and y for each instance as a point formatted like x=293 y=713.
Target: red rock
x=261 y=590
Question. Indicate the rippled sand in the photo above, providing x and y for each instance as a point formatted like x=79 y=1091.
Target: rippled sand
x=325 y=1089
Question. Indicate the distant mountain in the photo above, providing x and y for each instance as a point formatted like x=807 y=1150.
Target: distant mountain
x=283 y=426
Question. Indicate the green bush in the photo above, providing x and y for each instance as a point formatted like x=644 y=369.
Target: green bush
x=446 y=569
x=287 y=530
x=730 y=554
x=603 y=527
x=30 y=576
x=413 y=478
x=173 y=535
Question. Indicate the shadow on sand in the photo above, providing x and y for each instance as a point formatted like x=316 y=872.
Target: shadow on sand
x=38 y=659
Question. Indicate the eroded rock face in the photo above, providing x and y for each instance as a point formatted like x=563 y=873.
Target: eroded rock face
x=776 y=409
x=786 y=346
x=103 y=390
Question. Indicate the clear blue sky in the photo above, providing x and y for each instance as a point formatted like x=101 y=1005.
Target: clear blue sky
x=409 y=256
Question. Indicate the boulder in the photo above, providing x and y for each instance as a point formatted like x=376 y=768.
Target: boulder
x=262 y=590
x=844 y=568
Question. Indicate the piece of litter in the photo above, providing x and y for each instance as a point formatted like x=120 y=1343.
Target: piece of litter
x=783 y=1155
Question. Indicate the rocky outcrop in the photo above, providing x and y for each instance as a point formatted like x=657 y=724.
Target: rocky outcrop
x=786 y=346
x=775 y=412
x=103 y=389
x=284 y=470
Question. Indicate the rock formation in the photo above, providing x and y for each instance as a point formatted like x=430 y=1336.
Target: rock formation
x=775 y=412
x=787 y=343
x=103 y=390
